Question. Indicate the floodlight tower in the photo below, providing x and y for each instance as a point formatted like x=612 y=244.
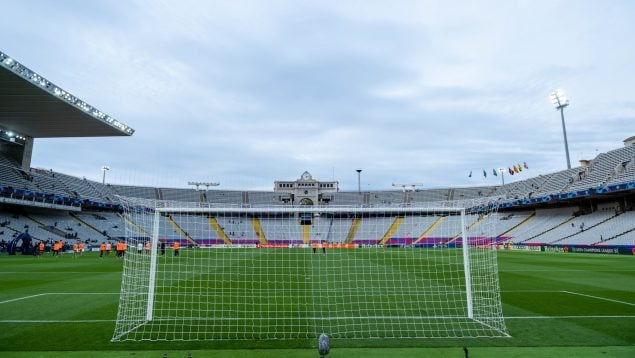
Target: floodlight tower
x=560 y=100
x=104 y=168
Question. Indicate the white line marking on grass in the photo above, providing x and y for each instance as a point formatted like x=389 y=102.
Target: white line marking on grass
x=23 y=298
x=312 y=318
x=599 y=298
x=562 y=270
x=562 y=317
x=58 y=321
x=58 y=293
x=56 y=272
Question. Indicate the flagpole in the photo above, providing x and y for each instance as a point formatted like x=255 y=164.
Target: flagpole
x=502 y=171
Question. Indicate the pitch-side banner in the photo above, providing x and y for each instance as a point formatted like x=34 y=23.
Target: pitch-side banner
x=582 y=249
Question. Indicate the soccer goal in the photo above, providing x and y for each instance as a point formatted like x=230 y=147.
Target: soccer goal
x=202 y=272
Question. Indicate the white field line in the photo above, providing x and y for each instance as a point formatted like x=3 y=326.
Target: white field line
x=23 y=298
x=599 y=298
x=313 y=318
x=563 y=317
x=562 y=270
x=57 y=321
x=55 y=272
x=58 y=293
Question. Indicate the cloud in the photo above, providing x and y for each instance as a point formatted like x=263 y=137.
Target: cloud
x=247 y=92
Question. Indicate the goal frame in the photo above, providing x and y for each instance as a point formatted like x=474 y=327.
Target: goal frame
x=311 y=210
x=471 y=285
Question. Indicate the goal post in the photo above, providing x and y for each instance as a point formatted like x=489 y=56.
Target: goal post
x=154 y=242
x=466 y=268
x=293 y=272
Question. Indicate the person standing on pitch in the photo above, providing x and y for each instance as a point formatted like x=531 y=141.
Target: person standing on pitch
x=176 y=246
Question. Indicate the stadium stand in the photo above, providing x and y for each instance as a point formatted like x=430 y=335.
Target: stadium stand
x=372 y=229
x=571 y=227
x=543 y=220
x=414 y=227
x=506 y=222
x=601 y=169
x=135 y=191
x=90 y=210
x=618 y=229
x=108 y=224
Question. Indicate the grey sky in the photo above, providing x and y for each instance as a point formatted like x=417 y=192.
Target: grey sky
x=247 y=92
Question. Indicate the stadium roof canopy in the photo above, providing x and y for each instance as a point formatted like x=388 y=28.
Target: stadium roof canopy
x=33 y=106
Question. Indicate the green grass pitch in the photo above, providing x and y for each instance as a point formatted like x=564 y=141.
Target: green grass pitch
x=554 y=305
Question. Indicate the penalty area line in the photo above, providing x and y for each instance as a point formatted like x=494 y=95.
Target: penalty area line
x=599 y=298
x=563 y=317
x=57 y=321
x=23 y=298
x=58 y=293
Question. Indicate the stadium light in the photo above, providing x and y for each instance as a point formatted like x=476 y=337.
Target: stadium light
x=205 y=184
x=560 y=100
x=104 y=169
x=359 y=185
x=29 y=75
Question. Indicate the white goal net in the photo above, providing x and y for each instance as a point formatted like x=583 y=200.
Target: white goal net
x=200 y=272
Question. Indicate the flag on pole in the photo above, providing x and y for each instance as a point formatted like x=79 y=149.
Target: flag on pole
x=484 y=173
x=520 y=169
x=469 y=176
x=494 y=172
x=511 y=172
x=525 y=164
x=515 y=169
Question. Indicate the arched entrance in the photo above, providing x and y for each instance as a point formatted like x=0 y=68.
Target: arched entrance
x=306 y=202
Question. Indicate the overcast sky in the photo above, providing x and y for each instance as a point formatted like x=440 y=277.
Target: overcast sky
x=248 y=92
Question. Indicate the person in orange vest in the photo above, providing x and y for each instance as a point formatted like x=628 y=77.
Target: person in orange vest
x=102 y=249
x=176 y=246
x=55 y=248
x=148 y=247
x=75 y=248
x=123 y=248
x=42 y=248
x=81 y=248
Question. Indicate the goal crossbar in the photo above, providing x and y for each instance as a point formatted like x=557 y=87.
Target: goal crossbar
x=312 y=210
